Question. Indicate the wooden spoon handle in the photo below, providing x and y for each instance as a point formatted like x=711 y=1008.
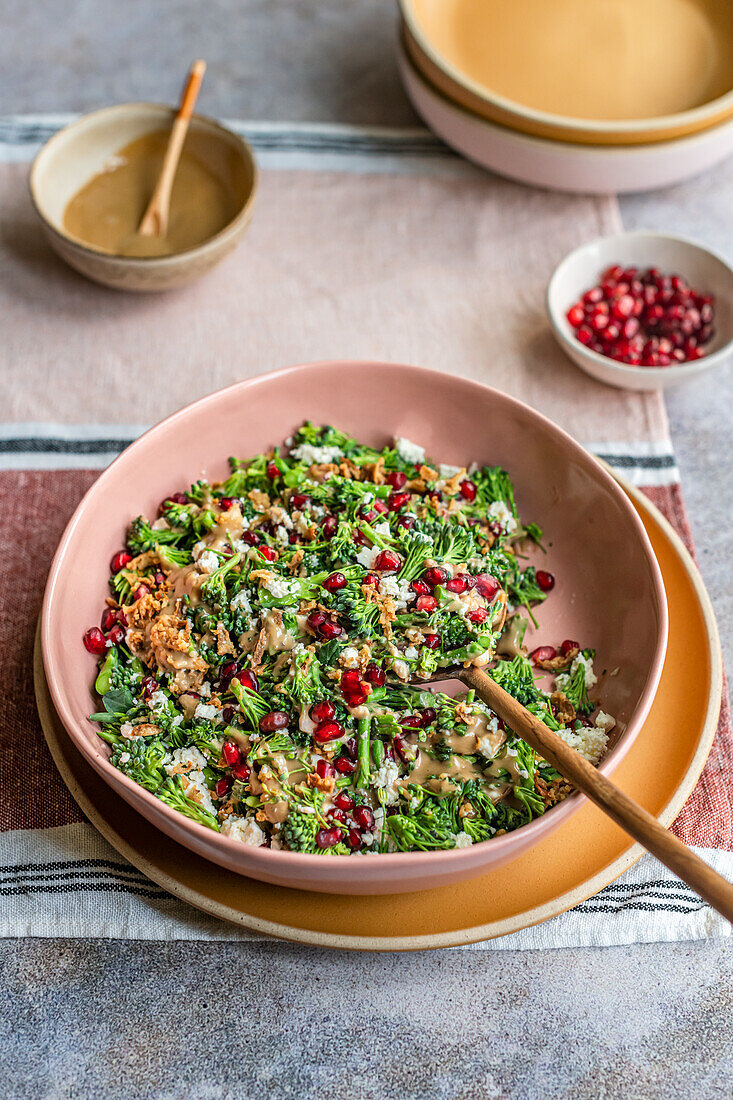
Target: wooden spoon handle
x=155 y=218
x=640 y=824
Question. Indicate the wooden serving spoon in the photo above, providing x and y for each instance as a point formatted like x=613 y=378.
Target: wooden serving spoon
x=637 y=822
x=155 y=218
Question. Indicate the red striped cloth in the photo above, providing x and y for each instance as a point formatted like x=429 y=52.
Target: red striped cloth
x=36 y=506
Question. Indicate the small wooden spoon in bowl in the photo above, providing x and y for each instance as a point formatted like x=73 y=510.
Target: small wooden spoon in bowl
x=635 y=820
x=155 y=218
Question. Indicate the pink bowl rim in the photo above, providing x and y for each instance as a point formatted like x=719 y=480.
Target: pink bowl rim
x=532 y=832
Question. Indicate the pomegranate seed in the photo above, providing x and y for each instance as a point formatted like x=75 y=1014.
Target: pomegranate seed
x=344 y=801
x=119 y=561
x=435 y=575
x=355 y=698
x=487 y=586
x=227 y=672
x=240 y=771
x=598 y=322
x=404 y=750
x=593 y=295
x=328 y=731
x=457 y=583
x=335 y=582
x=396 y=479
x=225 y=503
x=480 y=615
x=141 y=591
x=109 y=618
x=567 y=646
x=543 y=653
x=248 y=680
x=231 y=753
x=397 y=501
x=432 y=641
x=149 y=685
x=427 y=716
x=364 y=817
x=411 y=721
x=575 y=315
x=337 y=815
x=388 y=562
x=374 y=675
x=272 y=470
x=329 y=630
x=427 y=604
x=268 y=553
x=328 y=527
x=274 y=720
x=351 y=679
x=353 y=839
x=227 y=714
x=406 y=522
x=623 y=307
x=251 y=538
x=345 y=766
x=299 y=501
x=420 y=588
x=174 y=498
x=315 y=620
x=584 y=334
x=371 y=580
x=380 y=506
x=325 y=769
x=613 y=273
x=468 y=490
x=222 y=787
x=327 y=838
x=159 y=579
x=322 y=711
x=95 y=641
x=116 y=635
x=546 y=581
x=362 y=539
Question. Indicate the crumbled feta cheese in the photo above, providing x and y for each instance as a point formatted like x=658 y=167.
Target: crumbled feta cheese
x=604 y=721
x=158 y=701
x=199 y=549
x=314 y=455
x=381 y=528
x=409 y=451
x=349 y=657
x=241 y=600
x=244 y=829
x=279 y=587
x=208 y=712
x=177 y=720
x=208 y=561
x=282 y=536
x=205 y=690
x=125 y=758
x=401 y=670
x=499 y=513
x=399 y=590
x=446 y=472
x=161 y=524
x=587 y=665
x=188 y=758
x=368 y=555
x=302 y=524
x=367 y=838
x=386 y=778
x=484 y=743
x=589 y=741
x=411 y=653
x=463 y=840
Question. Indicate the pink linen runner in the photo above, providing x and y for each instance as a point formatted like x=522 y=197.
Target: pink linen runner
x=364 y=244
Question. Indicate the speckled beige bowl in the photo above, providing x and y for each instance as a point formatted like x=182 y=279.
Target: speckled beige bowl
x=80 y=150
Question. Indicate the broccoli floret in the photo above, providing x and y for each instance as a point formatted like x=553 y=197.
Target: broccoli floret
x=299 y=831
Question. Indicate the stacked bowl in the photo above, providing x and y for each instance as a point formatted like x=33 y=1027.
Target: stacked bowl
x=608 y=96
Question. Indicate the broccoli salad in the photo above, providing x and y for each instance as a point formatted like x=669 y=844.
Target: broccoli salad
x=256 y=652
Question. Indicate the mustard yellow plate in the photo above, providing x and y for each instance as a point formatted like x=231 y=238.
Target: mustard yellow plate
x=604 y=72
x=573 y=863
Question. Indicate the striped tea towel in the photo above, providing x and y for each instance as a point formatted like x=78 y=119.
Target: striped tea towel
x=364 y=244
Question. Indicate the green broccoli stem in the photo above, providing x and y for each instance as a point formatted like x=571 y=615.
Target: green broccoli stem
x=361 y=776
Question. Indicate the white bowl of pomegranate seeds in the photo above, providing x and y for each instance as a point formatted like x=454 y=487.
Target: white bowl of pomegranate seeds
x=643 y=311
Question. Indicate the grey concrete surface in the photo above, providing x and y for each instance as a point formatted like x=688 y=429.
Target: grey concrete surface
x=98 y=1020
x=221 y=1022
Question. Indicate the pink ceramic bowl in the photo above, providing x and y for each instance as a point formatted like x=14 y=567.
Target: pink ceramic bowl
x=609 y=590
